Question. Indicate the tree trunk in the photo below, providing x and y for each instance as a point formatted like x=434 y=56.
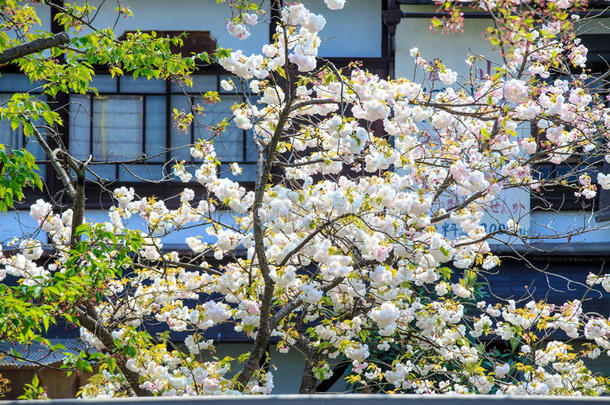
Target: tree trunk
x=308 y=381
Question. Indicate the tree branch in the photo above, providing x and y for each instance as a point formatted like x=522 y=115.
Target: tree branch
x=88 y=321
x=292 y=305
x=78 y=206
x=63 y=175
x=315 y=101
x=264 y=331
x=309 y=237
x=264 y=164
x=34 y=46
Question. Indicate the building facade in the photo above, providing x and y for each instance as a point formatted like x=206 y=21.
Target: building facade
x=546 y=266
x=128 y=118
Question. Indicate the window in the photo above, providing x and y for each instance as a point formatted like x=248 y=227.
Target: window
x=561 y=197
x=127 y=130
x=599 y=62
x=11 y=83
x=129 y=119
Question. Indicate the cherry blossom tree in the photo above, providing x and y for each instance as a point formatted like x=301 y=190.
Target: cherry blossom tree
x=336 y=252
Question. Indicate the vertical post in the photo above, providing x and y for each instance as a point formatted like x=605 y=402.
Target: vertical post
x=276 y=9
x=392 y=15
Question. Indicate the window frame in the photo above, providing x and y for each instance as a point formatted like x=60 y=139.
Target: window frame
x=98 y=196
x=561 y=198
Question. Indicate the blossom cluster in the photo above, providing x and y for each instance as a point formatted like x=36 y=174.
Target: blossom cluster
x=342 y=251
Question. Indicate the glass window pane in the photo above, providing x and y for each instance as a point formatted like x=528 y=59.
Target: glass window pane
x=141 y=172
x=14 y=82
x=155 y=128
x=106 y=172
x=16 y=140
x=12 y=139
x=201 y=84
x=104 y=83
x=34 y=147
x=80 y=124
x=180 y=140
x=248 y=172
x=251 y=153
x=237 y=84
x=141 y=85
x=229 y=145
x=117 y=130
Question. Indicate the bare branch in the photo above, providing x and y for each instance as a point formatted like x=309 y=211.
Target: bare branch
x=52 y=155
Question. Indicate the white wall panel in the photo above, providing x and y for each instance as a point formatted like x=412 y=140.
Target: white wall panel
x=557 y=223
x=183 y=15
x=450 y=49
x=354 y=31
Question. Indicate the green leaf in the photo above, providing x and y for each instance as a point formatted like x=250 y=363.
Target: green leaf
x=82 y=228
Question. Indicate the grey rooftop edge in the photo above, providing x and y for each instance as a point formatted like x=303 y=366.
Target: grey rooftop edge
x=330 y=399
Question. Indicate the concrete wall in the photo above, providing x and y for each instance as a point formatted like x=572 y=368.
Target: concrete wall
x=450 y=49
x=342 y=36
x=187 y=15
x=354 y=31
